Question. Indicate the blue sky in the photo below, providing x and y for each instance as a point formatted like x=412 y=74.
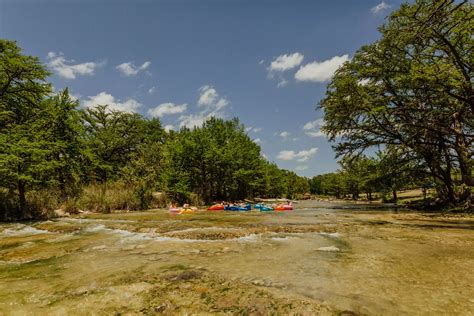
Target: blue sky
x=265 y=62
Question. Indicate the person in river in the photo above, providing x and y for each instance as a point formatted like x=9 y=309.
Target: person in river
x=173 y=205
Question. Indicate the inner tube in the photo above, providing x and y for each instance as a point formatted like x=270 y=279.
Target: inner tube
x=174 y=210
x=266 y=209
x=286 y=207
x=187 y=211
x=216 y=207
x=247 y=207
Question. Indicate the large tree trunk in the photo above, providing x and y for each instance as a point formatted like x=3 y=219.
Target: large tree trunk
x=22 y=198
x=61 y=180
x=444 y=175
x=465 y=162
x=449 y=187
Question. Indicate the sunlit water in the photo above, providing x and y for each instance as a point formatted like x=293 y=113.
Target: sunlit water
x=353 y=260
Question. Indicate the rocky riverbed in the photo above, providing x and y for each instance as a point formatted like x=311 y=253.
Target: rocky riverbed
x=324 y=259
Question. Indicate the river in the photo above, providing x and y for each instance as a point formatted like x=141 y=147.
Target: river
x=322 y=258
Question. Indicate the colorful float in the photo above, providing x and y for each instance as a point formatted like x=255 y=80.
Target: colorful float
x=284 y=207
x=174 y=210
x=216 y=207
x=266 y=209
x=263 y=207
x=188 y=210
x=247 y=207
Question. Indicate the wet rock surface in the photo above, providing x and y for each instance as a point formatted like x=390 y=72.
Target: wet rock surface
x=314 y=260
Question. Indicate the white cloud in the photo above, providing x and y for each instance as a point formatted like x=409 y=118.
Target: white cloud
x=286 y=62
x=257 y=140
x=284 y=134
x=129 y=69
x=315 y=134
x=313 y=124
x=261 y=62
x=66 y=69
x=300 y=156
x=195 y=120
x=320 y=71
x=282 y=83
x=253 y=129
x=209 y=98
x=152 y=90
x=313 y=128
x=104 y=98
x=169 y=127
x=211 y=105
x=167 y=108
x=301 y=168
x=382 y=6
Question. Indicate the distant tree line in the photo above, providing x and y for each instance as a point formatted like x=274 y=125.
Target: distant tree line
x=53 y=153
x=371 y=178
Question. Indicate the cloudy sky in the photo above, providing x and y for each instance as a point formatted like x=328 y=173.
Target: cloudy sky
x=266 y=62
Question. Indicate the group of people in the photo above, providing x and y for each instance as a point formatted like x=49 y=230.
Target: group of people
x=224 y=205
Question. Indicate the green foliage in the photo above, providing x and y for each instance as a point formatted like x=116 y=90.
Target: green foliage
x=64 y=132
x=111 y=137
x=24 y=149
x=412 y=88
x=107 y=197
x=53 y=154
x=386 y=174
x=218 y=161
x=22 y=85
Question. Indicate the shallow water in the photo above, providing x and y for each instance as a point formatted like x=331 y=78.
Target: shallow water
x=313 y=260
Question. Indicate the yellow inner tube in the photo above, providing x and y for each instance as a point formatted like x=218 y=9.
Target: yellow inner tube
x=186 y=211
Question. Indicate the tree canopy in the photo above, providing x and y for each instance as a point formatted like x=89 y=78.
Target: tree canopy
x=412 y=90
x=50 y=146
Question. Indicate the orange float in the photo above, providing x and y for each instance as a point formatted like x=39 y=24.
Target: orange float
x=216 y=207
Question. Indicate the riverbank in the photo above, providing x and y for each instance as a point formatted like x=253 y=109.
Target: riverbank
x=315 y=260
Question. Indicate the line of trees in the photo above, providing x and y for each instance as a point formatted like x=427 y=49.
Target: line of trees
x=412 y=92
x=53 y=153
x=371 y=178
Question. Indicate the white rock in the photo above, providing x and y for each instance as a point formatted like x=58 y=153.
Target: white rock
x=329 y=249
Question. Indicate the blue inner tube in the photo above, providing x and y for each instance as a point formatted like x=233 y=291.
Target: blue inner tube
x=248 y=207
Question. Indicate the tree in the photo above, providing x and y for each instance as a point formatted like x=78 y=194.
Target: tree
x=22 y=145
x=358 y=174
x=111 y=137
x=273 y=181
x=217 y=161
x=22 y=85
x=412 y=88
x=65 y=133
x=144 y=171
x=396 y=170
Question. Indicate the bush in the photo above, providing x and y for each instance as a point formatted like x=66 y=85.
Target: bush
x=39 y=204
x=195 y=200
x=42 y=203
x=108 y=197
x=160 y=200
